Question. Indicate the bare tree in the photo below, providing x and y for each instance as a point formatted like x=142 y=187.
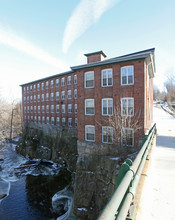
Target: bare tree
x=170 y=87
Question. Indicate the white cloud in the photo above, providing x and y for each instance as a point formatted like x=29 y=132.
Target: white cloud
x=85 y=14
x=9 y=38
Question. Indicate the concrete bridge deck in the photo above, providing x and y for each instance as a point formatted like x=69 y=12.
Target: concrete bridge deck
x=156 y=200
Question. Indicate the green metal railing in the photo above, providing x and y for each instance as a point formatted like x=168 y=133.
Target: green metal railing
x=119 y=205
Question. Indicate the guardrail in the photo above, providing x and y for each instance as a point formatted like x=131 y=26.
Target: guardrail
x=119 y=205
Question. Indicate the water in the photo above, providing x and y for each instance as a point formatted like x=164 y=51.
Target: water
x=32 y=189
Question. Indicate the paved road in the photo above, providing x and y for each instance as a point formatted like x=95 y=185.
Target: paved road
x=158 y=195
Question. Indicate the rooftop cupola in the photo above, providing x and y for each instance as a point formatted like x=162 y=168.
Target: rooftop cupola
x=95 y=57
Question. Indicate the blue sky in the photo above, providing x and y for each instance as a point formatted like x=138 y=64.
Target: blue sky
x=39 y=38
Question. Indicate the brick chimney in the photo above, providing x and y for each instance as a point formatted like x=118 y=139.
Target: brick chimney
x=95 y=57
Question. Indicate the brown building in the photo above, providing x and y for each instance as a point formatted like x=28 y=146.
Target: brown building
x=113 y=98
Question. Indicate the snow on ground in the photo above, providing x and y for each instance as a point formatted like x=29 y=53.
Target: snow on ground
x=158 y=194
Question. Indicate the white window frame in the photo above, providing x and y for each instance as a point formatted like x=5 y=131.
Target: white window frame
x=131 y=129
x=89 y=100
x=69 y=108
x=108 y=72
x=69 y=80
x=69 y=122
x=42 y=86
x=47 y=84
x=126 y=68
x=63 y=95
x=57 y=121
x=31 y=99
x=39 y=119
x=30 y=88
x=47 y=120
x=57 y=108
x=42 y=109
x=39 y=109
x=34 y=87
x=76 y=122
x=43 y=119
x=75 y=79
x=63 y=81
x=69 y=94
x=63 y=121
x=35 y=109
x=51 y=84
x=63 y=108
x=34 y=98
x=86 y=129
x=75 y=93
x=52 y=108
x=38 y=87
x=75 y=108
x=108 y=128
x=47 y=108
x=107 y=99
x=47 y=97
x=42 y=98
x=85 y=79
x=57 y=83
x=24 y=99
x=52 y=120
x=51 y=96
x=38 y=98
x=57 y=95
x=127 y=99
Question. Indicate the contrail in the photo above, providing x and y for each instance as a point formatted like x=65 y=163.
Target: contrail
x=84 y=15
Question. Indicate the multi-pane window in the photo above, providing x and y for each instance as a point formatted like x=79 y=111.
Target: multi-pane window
x=63 y=121
x=27 y=109
x=27 y=89
x=52 y=108
x=47 y=85
x=107 y=106
x=52 y=120
x=69 y=122
x=24 y=89
x=27 y=99
x=38 y=98
x=42 y=86
x=89 y=107
x=51 y=84
x=57 y=83
x=127 y=137
x=57 y=95
x=57 y=108
x=57 y=121
x=127 y=75
x=75 y=108
x=75 y=93
x=38 y=86
x=51 y=96
x=34 y=98
x=63 y=109
x=107 y=135
x=75 y=122
x=42 y=108
x=89 y=79
x=39 y=119
x=35 y=109
x=63 y=81
x=90 y=133
x=31 y=118
x=69 y=108
x=31 y=109
x=47 y=120
x=43 y=119
x=30 y=88
x=69 y=95
x=25 y=118
x=106 y=77
x=127 y=106
x=38 y=109
x=34 y=118
x=28 y=117
x=62 y=95
x=24 y=99
x=31 y=98
x=47 y=97
x=42 y=97
x=47 y=108
x=75 y=79
x=69 y=80
x=34 y=88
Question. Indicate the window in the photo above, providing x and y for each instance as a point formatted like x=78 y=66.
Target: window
x=57 y=121
x=52 y=120
x=89 y=133
x=57 y=95
x=75 y=79
x=27 y=109
x=127 y=138
x=27 y=99
x=39 y=119
x=31 y=109
x=127 y=107
x=89 y=79
x=75 y=122
x=24 y=109
x=75 y=108
x=69 y=95
x=47 y=120
x=38 y=86
x=47 y=108
x=69 y=80
x=62 y=95
x=63 y=110
x=42 y=108
x=42 y=97
x=75 y=93
x=43 y=119
x=38 y=98
x=69 y=108
x=34 y=88
x=27 y=89
x=34 y=109
x=63 y=121
x=69 y=122
x=106 y=77
x=89 y=106
x=62 y=81
x=31 y=99
x=57 y=108
x=34 y=98
x=30 y=88
x=47 y=85
x=42 y=86
x=34 y=118
x=47 y=97
x=24 y=89
x=51 y=84
x=24 y=99
x=127 y=75
x=51 y=96
x=25 y=118
x=107 y=135
x=52 y=108
x=57 y=83
x=107 y=107
x=38 y=109
x=31 y=118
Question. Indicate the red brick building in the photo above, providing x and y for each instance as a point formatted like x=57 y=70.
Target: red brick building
x=101 y=91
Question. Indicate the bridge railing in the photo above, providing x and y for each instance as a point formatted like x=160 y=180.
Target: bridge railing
x=119 y=205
